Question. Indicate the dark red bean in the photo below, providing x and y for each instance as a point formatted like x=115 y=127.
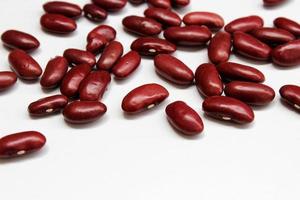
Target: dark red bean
x=136 y=1
x=144 y=97
x=18 y=144
x=245 y=24
x=94 y=85
x=250 y=47
x=166 y=17
x=291 y=94
x=126 y=65
x=7 y=80
x=110 y=55
x=19 y=40
x=239 y=72
x=70 y=83
x=273 y=2
x=111 y=5
x=180 y=3
x=48 y=105
x=208 y=80
x=94 y=12
x=229 y=109
x=64 y=8
x=58 y=23
x=103 y=30
x=211 y=20
x=288 y=24
x=188 y=35
x=219 y=48
x=288 y=54
x=24 y=65
x=184 y=118
x=251 y=93
x=80 y=112
x=96 y=44
x=166 y=4
x=173 y=69
x=77 y=56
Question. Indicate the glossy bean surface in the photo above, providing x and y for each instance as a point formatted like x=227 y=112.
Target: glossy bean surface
x=287 y=55
x=245 y=24
x=164 y=16
x=64 y=8
x=94 y=12
x=126 y=65
x=103 y=30
x=273 y=2
x=180 y=3
x=57 y=23
x=219 y=48
x=19 y=40
x=7 y=80
x=110 y=55
x=166 y=4
x=77 y=56
x=96 y=44
x=111 y=5
x=212 y=20
x=288 y=24
x=291 y=94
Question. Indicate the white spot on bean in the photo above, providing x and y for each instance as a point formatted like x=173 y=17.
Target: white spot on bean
x=49 y=110
x=226 y=118
x=150 y=106
x=22 y=152
x=297 y=106
x=152 y=50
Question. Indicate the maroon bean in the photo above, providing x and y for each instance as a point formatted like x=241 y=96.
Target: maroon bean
x=96 y=44
x=144 y=97
x=288 y=54
x=126 y=65
x=250 y=47
x=208 y=80
x=47 y=105
x=7 y=80
x=188 y=35
x=58 y=23
x=19 y=40
x=70 y=83
x=291 y=94
x=245 y=24
x=77 y=56
x=64 y=8
x=173 y=69
x=273 y=2
x=166 y=4
x=111 y=5
x=103 y=30
x=94 y=12
x=180 y=3
x=219 y=48
x=24 y=65
x=142 y=25
x=110 y=55
x=164 y=16
x=94 y=85
x=136 y=1
x=229 y=109
x=288 y=24
x=21 y=143
x=211 y=20
x=184 y=118
x=235 y=71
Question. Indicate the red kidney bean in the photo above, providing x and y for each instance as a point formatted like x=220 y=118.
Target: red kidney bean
x=273 y=2
x=77 y=56
x=80 y=112
x=288 y=24
x=184 y=118
x=70 y=83
x=180 y=3
x=24 y=65
x=144 y=97
x=64 y=8
x=19 y=40
x=142 y=25
x=7 y=80
x=94 y=85
x=288 y=54
x=103 y=30
x=291 y=94
x=96 y=44
x=235 y=71
x=173 y=69
x=48 y=105
x=251 y=93
x=219 y=48
x=94 y=12
x=208 y=80
x=21 y=143
x=229 y=109
x=110 y=55
x=126 y=65
x=136 y=1
x=166 y=4
x=245 y=24
x=111 y=5
x=58 y=23
x=250 y=47
x=164 y=16
x=211 y=20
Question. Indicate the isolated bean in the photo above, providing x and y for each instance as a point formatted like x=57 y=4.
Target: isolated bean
x=273 y=2
x=111 y=5
x=103 y=30
x=24 y=65
x=94 y=12
x=245 y=24
x=291 y=94
x=166 y=4
x=180 y=3
x=77 y=56
x=19 y=40
x=110 y=55
x=144 y=97
x=288 y=54
x=64 y=8
x=219 y=48
x=173 y=69
x=7 y=80
x=164 y=16
x=288 y=24
x=229 y=109
x=58 y=23
x=211 y=20
x=184 y=118
x=136 y=1
x=126 y=65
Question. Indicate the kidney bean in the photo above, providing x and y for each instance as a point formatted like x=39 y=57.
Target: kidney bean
x=136 y=1
x=77 y=56
x=21 y=143
x=71 y=81
x=24 y=65
x=64 y=8
x=7 y=80
x=211 y=20
x=150 y=46
x=273 y=2
x=96 y=44
x=81 y=112
x=19 y=40
x=110 y=55
x=94 y=85
x=126 y=65
x=180 y=3
x=291 y=94
x=184 y=118
x=173 y=69
x=94 y=12
x=288 y=24
x=250 y=47
x=58 y=23
x=111 y=5
x=144 y=97
x=235 y=71
x=103 y=30
x=288 y=54
x=229 y=109
x=219 y=48
x=245 y=24
x=166 y=17
x=142 y=25
x=48 y=105
x=166 y=4
x=208 y=80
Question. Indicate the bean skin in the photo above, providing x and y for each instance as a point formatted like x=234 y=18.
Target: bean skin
x=96 y=44
x=19 y=40
x=273 y=36
x=211 y=20
x=219 y=48
x=110 y=55
x=291 y=95
x=21 y=143
x=166 y=17
x=126 y=65
x=273 y=2
x=288 y=24
x=110 y=5
x=229 y=109
x=94 y=13
x=136 y=1
x=166 y=4
x=180 y=3
x=288 y=54
x=144 y=97
x=64 y=8
x=58 y=23
x=7 y=80
x=103 y=30
x=77 y=56
x=245 y=24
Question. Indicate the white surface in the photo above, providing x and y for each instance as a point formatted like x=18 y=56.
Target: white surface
x=142 y=158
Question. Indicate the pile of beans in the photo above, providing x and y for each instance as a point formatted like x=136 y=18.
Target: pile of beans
x=83 y=80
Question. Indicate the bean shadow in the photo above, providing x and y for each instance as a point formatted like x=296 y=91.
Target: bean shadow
x=289 y=106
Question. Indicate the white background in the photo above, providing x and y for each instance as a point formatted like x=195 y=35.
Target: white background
x=142 y=157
